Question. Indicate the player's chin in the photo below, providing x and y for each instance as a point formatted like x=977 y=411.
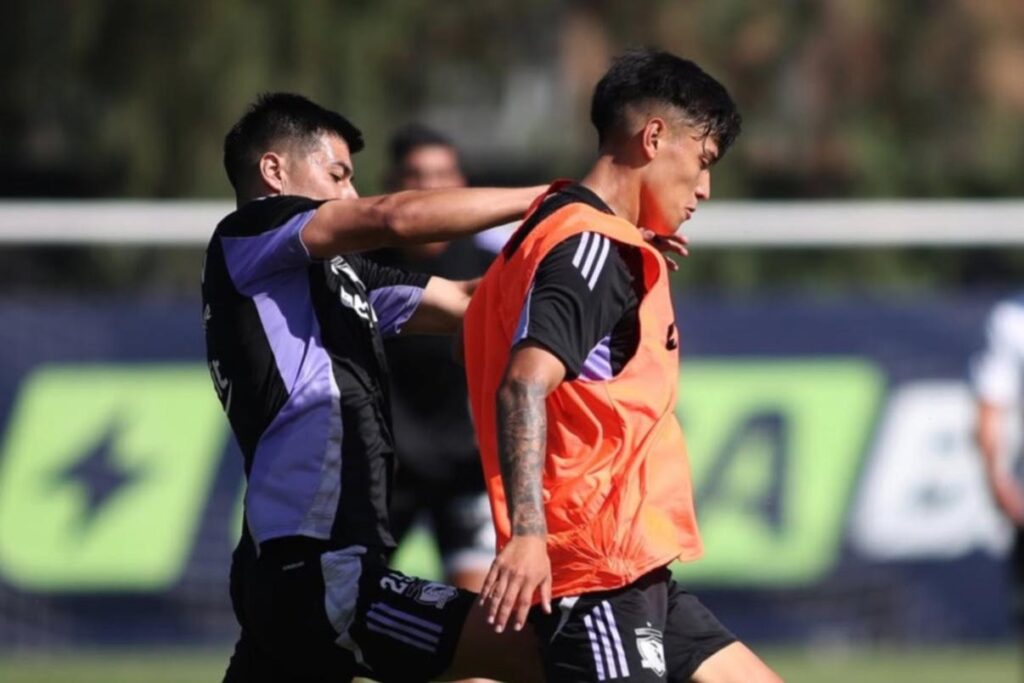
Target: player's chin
x=669 y=231
x=671 y=223
x=670 y=228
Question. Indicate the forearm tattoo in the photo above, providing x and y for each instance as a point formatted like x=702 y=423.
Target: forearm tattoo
x=522 y=439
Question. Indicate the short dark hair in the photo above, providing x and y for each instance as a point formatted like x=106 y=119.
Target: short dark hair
x=413 y=136
x=653 y=76
x=280 y=117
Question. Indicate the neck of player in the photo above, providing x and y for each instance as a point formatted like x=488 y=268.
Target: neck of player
x=617 y=183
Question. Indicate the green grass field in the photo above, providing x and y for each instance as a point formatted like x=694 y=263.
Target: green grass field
x=949 y=665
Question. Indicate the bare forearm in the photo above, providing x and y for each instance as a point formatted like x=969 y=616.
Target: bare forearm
x=522 y=439
x=439 y=215
x=411 y=217
x=442 y=308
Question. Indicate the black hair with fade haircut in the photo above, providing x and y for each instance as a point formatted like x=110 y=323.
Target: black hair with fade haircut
x=648 y=76
x=280 y=117
x=413 y=136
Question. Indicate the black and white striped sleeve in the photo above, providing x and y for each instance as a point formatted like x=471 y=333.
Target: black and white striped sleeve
x=580 y=291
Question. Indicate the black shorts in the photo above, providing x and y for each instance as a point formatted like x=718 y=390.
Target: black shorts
x=650 y=630
x=312 y=614
x=456 y=506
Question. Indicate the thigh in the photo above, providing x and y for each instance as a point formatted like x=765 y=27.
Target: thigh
x=608 y=636
x=399 y=627
x=511 y=656
x=287 y=634
x=692 y=634
x=734 y=663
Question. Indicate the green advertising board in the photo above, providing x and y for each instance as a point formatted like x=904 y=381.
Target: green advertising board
x=105 y=471
x=104 y=474
x=775 y=447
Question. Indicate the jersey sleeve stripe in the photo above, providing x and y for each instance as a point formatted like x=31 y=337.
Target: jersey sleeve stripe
x=578 y=256
x=523 y=326
x=596 y=272
x=595 y=246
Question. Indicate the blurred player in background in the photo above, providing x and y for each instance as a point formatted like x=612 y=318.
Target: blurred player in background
x=294 y=321
x=997 y=376
x=438 y=465
x=572 y=356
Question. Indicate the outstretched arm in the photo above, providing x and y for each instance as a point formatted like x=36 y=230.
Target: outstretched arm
x=415 y=216
x=442 y=308
x=522 y=567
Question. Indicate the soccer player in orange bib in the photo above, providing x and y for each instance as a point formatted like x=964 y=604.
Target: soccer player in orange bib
x=572 y=361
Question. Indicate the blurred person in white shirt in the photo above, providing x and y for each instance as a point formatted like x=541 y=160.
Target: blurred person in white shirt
x=998 y=375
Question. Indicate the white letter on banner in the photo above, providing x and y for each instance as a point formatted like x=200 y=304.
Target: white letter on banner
x=924 y=494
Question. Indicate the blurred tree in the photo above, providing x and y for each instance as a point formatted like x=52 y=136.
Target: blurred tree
x=131 y=98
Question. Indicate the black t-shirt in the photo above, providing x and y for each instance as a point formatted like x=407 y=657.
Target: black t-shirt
x=582 y=305
x=433 y=429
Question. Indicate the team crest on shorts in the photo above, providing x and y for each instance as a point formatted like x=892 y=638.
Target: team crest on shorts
x=436 y=594
x=652 y=652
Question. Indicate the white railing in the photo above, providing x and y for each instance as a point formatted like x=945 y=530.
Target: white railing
x=946 y=223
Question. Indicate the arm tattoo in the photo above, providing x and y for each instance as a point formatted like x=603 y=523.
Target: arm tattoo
x=522 y=439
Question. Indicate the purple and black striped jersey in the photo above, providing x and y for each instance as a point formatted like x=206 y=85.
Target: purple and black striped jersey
x=296 y=356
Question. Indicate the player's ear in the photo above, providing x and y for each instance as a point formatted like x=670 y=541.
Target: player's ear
x=652 y=136
x=272 y=171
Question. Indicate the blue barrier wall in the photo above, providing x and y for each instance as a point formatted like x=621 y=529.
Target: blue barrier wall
x=838 y=489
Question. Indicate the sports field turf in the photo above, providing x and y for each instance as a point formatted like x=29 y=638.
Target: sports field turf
x=952 y=665
x=997 y=664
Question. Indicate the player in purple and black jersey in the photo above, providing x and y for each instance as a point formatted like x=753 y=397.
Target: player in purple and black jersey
x=294 y=322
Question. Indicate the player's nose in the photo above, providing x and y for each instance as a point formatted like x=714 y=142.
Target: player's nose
x=703 y=190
